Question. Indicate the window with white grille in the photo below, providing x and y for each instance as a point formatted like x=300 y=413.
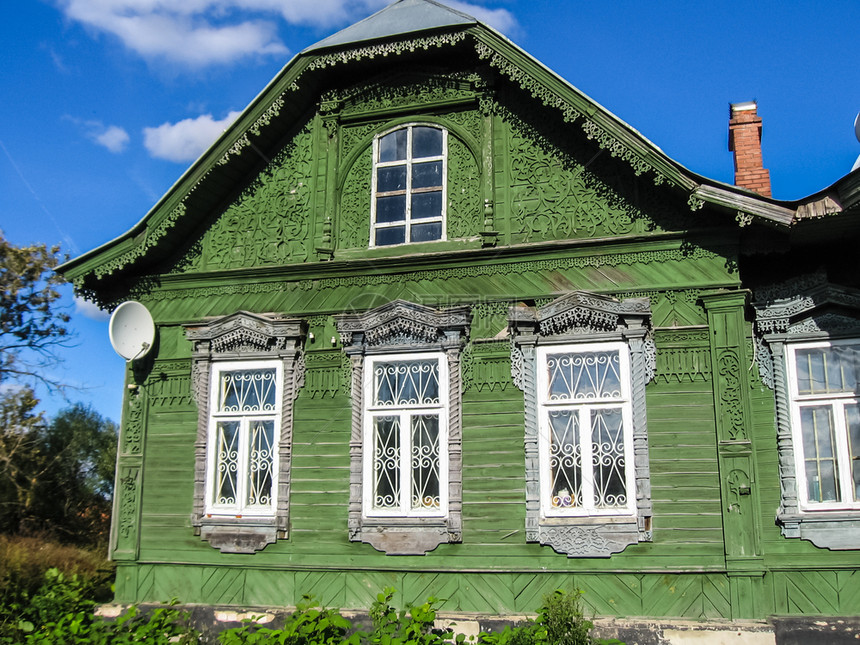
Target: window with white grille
x=405 y=450
x=585 y=430
x=825 y=418
x=244 y=433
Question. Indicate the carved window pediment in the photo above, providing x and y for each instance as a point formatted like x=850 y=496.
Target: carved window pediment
x=406 y=384
x=402 y=323
x=582 y=362
x=800 y=327
x=247 y=369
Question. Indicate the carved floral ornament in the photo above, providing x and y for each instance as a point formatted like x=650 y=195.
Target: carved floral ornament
x=588 y=318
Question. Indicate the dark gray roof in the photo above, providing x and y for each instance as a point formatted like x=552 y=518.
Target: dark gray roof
x=400 y=17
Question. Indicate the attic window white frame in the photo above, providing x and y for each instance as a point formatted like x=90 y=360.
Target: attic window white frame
x=408 y=192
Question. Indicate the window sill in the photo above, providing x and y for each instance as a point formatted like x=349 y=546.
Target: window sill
x=404 y=536
x=589 y=537
x=834 y=530
x=239 y=534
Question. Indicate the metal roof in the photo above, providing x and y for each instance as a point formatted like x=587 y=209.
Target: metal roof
x=400 y=17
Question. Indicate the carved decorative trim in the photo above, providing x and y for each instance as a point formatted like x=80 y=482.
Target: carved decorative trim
x=569 y=113
x=327 y=374
x=401 y=323
x=398 y=327
x=385 y=49
x=806 y=308
x=695 y=202
x=505 y=268
x=594 y=318
x=244 y=336
x=150 y=239
x=125 y=525
x=729 y=369
x=486 y=365
x=132 y=432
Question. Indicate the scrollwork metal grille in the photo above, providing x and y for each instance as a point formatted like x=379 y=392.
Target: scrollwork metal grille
x=585 y=400
x=245 y=420
x=406 y=418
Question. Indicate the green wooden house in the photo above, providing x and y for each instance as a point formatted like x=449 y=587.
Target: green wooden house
x=429 y=317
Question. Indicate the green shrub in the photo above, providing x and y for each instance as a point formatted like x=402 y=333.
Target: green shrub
x=309 y=624
x=560 y=621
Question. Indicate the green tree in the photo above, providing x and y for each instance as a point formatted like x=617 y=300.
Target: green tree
x=21 y=461
x=55 y=479
x=32 y=324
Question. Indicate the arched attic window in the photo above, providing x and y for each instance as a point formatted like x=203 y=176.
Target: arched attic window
x=410 y=170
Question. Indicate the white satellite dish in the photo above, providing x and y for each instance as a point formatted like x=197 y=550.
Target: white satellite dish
x=132 y=330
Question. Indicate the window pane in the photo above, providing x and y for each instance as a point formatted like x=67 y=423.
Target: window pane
x=386 y=462
x=406 y=383
x=852 y=423
x=390 y=209
x=426 y=142
x=425 y=462
x=827 y=370
x=565 y=459
x=584 y=375
x=607 y=458
x=391 y=178
x=247 y=391
x=427 y=205
x=426 y=232
x=816 y=423
x=391 y=235
x=226 y=462
x=261 y=456
x=392 y=147
x=426 y=175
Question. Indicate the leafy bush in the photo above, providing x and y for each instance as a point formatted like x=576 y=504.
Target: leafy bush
x=410 y=626
x=308 y=625
x=61 y=611
x=560 y=621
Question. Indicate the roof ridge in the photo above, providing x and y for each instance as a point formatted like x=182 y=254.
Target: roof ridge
x=398 y=18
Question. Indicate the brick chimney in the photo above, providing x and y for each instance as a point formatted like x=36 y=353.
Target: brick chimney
x=745 y=142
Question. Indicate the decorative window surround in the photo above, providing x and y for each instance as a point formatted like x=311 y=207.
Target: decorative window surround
x=582 y=318
x=398 y=329
x=817 y=311
x=234 y=340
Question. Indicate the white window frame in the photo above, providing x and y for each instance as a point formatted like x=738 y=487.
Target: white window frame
x=583 y=410
x=837 y=402
x=405 y=413
x=240 y=508
x=408 y=192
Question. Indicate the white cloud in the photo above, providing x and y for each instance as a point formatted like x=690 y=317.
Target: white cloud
x=90 y=310
x=187 y=139
x=114 y=138
x=197 y=33
x=500 y=19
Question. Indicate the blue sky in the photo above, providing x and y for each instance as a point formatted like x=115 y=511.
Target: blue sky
x=105 y=103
